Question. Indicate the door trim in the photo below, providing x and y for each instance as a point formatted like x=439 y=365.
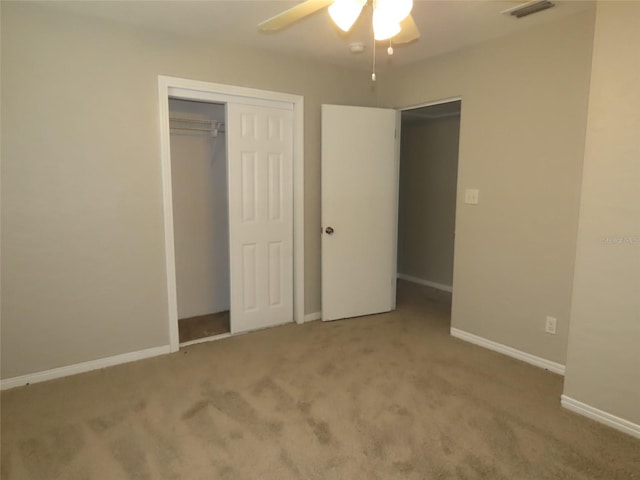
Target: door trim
x=430 y=103
x=186 y=89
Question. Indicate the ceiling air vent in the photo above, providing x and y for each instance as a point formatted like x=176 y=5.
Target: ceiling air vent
x=528 y=8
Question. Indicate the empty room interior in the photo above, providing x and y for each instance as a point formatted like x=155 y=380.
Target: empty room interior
x=242 y=239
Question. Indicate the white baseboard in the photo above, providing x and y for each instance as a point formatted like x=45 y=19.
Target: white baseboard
x=82 y=367
x=598 y=415
x=427 y=283
x=310 y=317
x=509 y=351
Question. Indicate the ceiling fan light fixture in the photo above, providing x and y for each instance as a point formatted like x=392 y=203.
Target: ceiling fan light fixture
x=383 y=27
x=344 y=13
x=395 y=10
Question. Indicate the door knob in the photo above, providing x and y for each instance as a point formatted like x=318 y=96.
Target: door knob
x=328 y=231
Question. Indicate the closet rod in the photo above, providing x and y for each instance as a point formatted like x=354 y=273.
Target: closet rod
x=196 y=125
x=195 y=129
x=196 y=121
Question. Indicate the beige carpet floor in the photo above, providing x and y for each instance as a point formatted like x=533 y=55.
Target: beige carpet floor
x=390 y=396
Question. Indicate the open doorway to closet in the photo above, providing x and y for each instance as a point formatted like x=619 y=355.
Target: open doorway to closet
x=427 y=196
x=201 y=219
x=263 y=133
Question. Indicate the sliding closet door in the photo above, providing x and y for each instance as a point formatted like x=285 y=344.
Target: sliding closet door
x=260 y=156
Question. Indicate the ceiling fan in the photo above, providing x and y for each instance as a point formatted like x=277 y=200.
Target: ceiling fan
x=391 y=18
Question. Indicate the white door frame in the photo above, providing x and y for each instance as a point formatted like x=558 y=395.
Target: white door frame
x=430 y=103
x=173 y=87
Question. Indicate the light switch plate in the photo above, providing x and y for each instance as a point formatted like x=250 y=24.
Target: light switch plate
x=471 y=196
x=550 y=325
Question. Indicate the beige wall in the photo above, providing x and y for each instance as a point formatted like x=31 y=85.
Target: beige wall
x=522 y=145
x=83 y=273
x=200 y=211
x=428 y=178
x=603 y=364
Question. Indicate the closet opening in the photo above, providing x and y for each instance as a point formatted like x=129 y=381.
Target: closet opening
x=200 y=203
x=262 y=133
x=428 y=181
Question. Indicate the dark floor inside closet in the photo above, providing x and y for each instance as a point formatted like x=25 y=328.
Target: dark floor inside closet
x=203 y=326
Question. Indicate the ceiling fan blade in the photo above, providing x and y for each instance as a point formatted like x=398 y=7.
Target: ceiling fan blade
x=409 y=31
x=292 y=15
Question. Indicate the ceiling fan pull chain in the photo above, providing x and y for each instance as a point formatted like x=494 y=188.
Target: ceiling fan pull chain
x=373 y=74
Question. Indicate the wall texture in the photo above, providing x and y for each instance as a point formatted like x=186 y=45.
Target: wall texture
x=603 y=364
x=83 y=273
x=200 y=212
x=524 y=106
x=428 y=179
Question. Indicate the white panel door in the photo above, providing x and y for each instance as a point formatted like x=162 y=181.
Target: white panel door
x=360 y=158
x=260 y=149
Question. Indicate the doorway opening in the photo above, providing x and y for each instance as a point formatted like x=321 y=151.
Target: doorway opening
x=428 y=181
x=200 y=218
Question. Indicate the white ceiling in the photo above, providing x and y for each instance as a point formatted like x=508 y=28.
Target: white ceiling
x=446 y=25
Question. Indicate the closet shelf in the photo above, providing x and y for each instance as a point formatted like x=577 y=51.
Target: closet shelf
x=196 y=125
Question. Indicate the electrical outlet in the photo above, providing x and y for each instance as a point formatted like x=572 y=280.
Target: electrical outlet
x=550 y=325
